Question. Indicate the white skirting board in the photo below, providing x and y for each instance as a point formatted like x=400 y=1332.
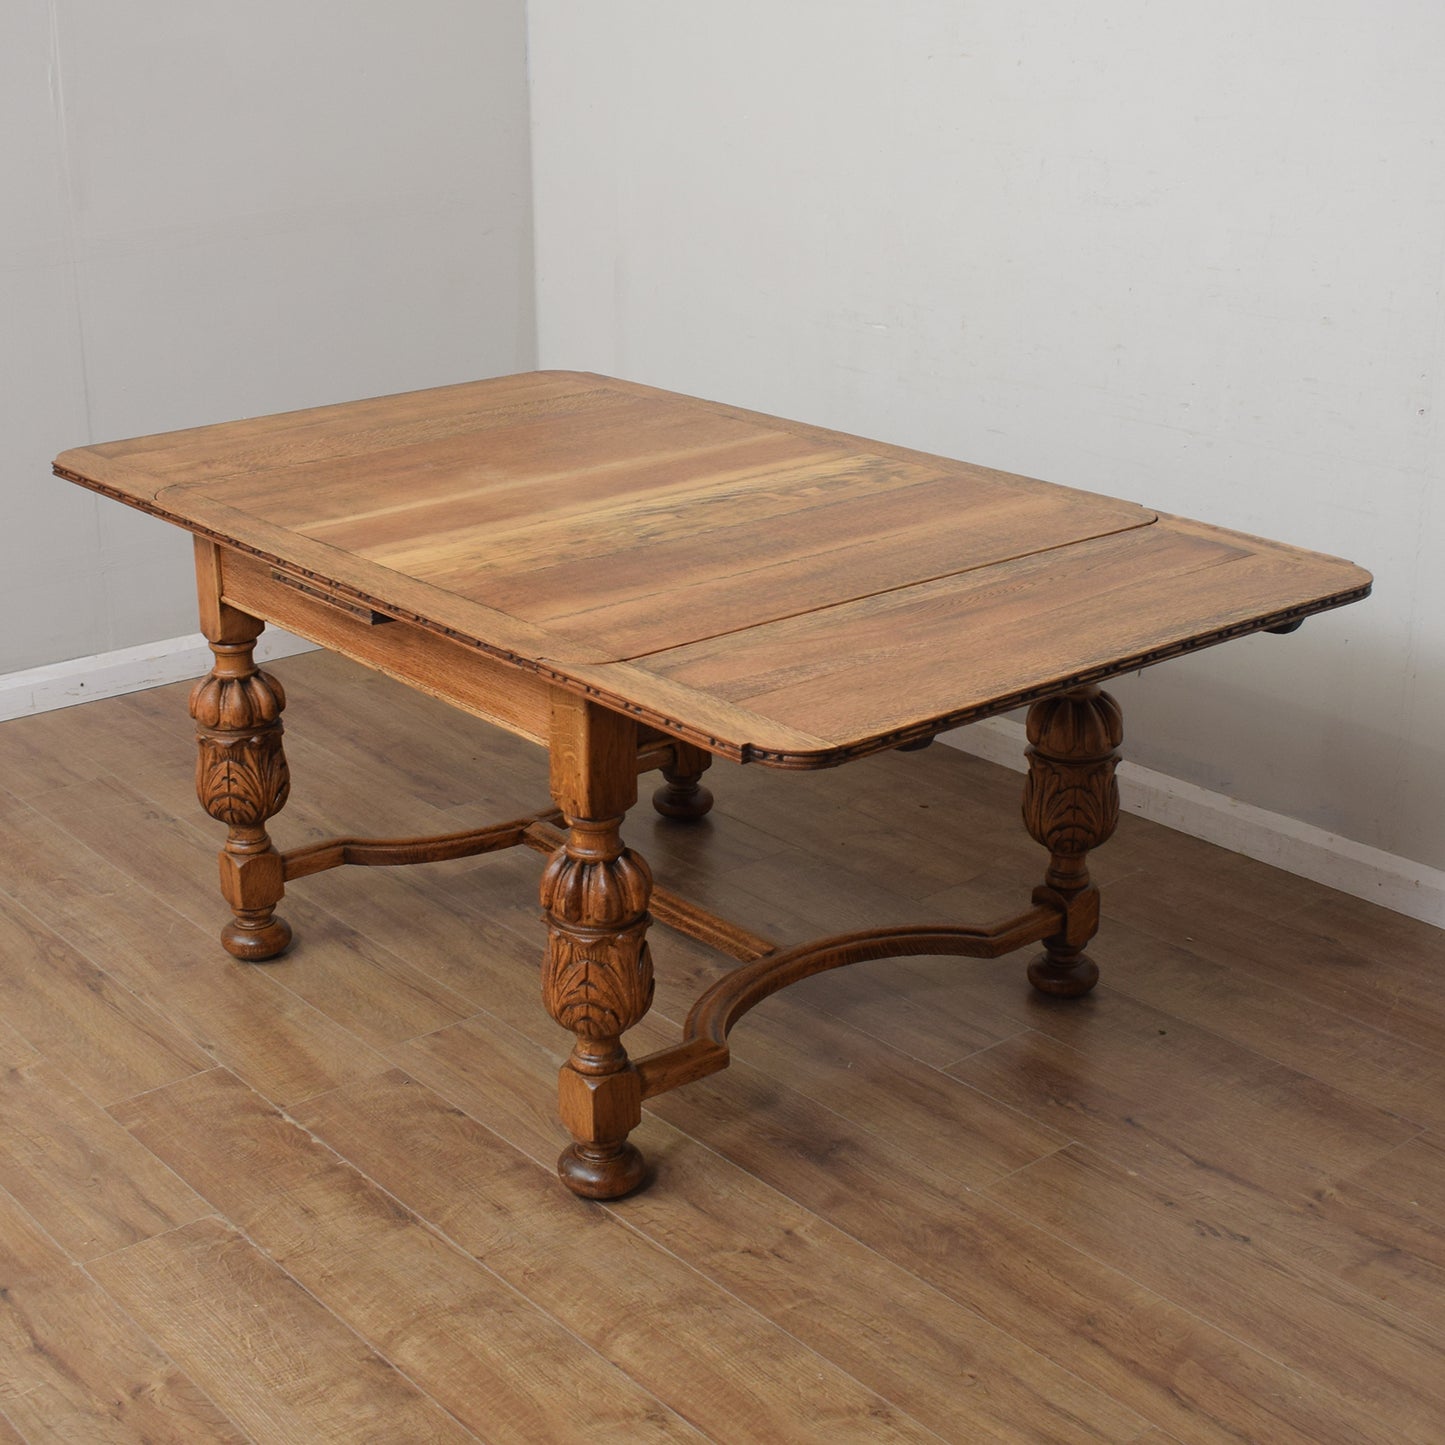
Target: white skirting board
x=128 y=669
x=1399 y=884
x=1395 y=883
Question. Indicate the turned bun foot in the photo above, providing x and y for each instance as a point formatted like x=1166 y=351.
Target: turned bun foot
x=687 y=799
x=1064 y=980
x=602 y=1171
x=256 y=942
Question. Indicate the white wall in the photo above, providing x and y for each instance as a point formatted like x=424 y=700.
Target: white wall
x=214 y=210
x=1191 y=255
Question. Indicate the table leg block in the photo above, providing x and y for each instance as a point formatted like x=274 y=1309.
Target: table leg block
x=600 y=1113
x=252 y=884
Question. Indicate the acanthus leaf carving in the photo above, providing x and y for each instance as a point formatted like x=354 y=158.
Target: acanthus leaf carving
x=1070 y=808
x=598 y=987
x=242 y=779
x=1071 y=795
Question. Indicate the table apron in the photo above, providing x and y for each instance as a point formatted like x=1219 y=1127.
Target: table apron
x=463 y=676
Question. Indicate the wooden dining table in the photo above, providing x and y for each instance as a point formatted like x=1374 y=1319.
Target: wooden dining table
x=643 y=581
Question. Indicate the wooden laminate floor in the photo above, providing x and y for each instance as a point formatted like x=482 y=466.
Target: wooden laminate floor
x=313 y=1200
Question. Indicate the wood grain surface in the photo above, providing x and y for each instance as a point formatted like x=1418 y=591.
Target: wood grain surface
x=314 y=1200
x=760 y=588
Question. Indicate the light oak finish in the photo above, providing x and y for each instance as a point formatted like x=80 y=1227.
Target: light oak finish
x=641 y=580
x=762 y=589
x=924 y=1202
x=507 y=696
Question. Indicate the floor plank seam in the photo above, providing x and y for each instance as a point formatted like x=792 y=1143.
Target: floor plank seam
x=439 y=1233
x=752 y=1309
x=877 y=1038
x=40 y=1229
x=983 y=1049
x=547 y=1166
x=115 y=1104
x=1426 y=1134
x=83 y=1266
x=356 y=1334
x=1159 y=1295
x=919 y=1279
x=1339 y=1283
x=1022 y=1168
x=1234 y=1042
x=11 y=901
x=1261 y=973
x=433 y=1229
x=998 y=1325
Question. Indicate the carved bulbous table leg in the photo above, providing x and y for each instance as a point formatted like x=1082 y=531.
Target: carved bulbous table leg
x=242 y=780
x=597 y=981
x=1071 y=804
x=683 y=794
x=597 y=972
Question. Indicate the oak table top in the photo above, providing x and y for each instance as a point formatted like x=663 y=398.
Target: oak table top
x=641 y=581
x=770 y=591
